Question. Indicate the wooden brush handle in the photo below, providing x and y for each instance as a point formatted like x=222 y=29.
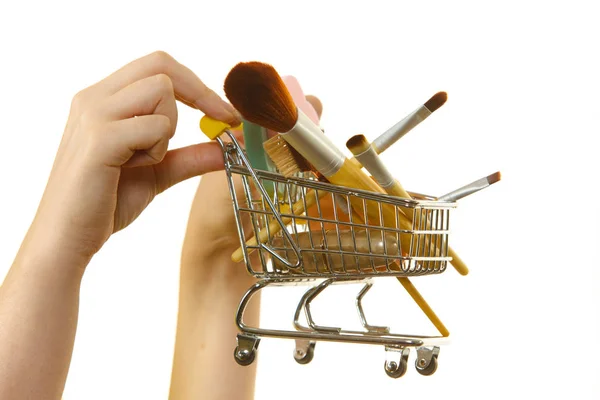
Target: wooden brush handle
x=427 y=310
x=274 y=227
x=397 y=190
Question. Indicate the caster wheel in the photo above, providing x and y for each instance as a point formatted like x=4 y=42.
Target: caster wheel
x=244 y=357
x=428 y=370
x=304 y=357
x=393 y=370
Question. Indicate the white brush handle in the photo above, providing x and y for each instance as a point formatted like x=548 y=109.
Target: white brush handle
x=376 y=167
x=308 y=140
x=392 y=135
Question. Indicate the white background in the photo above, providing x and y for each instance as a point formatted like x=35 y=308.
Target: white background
x=522 y=79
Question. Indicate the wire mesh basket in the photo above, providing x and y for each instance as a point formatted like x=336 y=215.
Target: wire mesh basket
x=303 y=231
x=312 y=229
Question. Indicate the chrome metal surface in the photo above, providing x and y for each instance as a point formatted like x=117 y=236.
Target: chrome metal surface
x=335 y=238
x=361 y=313
x=334 y=242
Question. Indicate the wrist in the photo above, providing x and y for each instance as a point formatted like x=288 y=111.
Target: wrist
x=48 y=249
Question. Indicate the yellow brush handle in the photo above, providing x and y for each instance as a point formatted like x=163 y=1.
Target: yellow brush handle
x=416 y=296
x=353 y=177
x=357 y=163
x=350 y=175
x=397 y=190
x=275 y=227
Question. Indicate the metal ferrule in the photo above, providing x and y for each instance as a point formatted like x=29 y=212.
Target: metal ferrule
x=391 y=136
x=308 y=139
x=465 y=190
x=372 y=163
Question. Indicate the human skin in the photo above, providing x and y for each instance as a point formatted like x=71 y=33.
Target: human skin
x=112 y=161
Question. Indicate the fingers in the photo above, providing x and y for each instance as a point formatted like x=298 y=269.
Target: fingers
x=143 y=118
x=187 y=162
x=187 y=86
x=138 y=141
x=152 y=95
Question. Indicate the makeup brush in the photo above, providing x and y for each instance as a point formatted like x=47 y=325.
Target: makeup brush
x=471 y=187
x=393 y=134
x=365 y=153
x=389 y=137
x=256 y=90
x=291 y=162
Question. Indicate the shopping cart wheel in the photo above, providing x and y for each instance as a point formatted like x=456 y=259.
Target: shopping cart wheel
x=396 y=362
x=395 y=370
x=304 y=352
x=430 y=369
x=427 y=360
x=245 y=351
x=244 y=357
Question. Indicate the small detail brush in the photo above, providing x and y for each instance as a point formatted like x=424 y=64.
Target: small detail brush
x=471 y=188
x=413 y=119
x=365 y=153
x=393 y=134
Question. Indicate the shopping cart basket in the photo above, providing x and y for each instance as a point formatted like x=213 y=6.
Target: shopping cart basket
x=313 y=233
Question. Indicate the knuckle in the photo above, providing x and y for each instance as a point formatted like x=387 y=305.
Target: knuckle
x=164 y=126
x=160 y=59
x=164 y=82
x=80 y=100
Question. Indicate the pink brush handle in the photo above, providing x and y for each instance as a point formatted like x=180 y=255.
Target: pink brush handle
x=299 y=98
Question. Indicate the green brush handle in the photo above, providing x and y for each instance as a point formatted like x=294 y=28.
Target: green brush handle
x=254 y=136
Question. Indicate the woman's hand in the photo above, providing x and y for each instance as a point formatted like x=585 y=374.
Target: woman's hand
x=114 y=159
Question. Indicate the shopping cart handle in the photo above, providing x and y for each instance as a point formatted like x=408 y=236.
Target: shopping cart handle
x=213 y=128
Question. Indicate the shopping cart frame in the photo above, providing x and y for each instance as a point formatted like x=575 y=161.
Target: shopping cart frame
x=290 y=272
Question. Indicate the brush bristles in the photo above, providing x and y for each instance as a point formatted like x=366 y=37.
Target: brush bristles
x=287 y=160
x=436 y=101
x=357 y=144
x=257 y=91
x=493 y=178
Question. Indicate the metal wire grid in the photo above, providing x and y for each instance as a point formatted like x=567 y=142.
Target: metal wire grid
x=337 y=237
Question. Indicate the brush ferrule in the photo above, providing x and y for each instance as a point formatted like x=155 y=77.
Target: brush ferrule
x=308 y=139
x=392 y=135
x=372 y=163
x=465 y=190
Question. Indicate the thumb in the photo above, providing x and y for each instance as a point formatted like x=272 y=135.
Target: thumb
x=187 y=162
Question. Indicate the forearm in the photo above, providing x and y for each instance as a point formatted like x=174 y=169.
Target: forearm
x=39 y=302
x=211 y=286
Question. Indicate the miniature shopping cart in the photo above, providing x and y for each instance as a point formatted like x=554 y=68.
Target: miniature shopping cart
x=301 y=231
